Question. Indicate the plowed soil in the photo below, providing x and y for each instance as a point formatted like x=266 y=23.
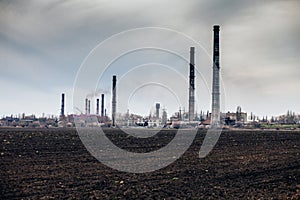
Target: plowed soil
x=54 y=164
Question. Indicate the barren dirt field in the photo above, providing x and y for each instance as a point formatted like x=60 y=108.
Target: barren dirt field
x=54 y=164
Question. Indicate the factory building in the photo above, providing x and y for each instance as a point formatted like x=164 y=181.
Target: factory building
x=234 y=117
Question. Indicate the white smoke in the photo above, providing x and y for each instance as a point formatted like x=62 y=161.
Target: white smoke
x=97 y=93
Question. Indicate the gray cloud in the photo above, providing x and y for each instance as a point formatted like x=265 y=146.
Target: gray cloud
x=44 y=43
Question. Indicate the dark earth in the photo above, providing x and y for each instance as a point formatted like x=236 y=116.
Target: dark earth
x=54 y=164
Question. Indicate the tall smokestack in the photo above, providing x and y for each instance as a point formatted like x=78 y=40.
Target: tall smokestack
x=192 y=85
x=89 y=107
x=102 y=105
x=215 y=121
x=62 y=111
x=114 y=102
x=157 y=110
x=86 y=106
x=97 y=107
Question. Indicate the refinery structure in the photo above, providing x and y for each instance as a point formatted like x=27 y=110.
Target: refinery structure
x=159 y=118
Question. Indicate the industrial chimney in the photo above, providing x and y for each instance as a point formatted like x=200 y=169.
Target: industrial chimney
x=192 y=85
x=97 y=106
x=114 y=102
x=86 y=106
x=157 y=110
x=62 y=112
x=89 y=106
x=215 y=121
x=102 y=105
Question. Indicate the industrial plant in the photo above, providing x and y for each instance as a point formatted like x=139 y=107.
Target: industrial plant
x=159 y=118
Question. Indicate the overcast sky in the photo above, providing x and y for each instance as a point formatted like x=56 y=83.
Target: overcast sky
x=43 y=44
